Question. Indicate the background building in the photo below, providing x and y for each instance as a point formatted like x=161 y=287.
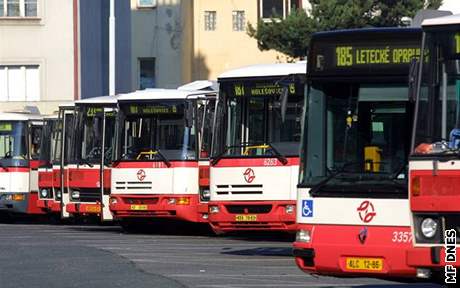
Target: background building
x=178 y=41
x=54 y=51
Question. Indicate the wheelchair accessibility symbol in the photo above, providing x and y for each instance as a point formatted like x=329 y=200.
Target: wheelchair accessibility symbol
x=307 y=208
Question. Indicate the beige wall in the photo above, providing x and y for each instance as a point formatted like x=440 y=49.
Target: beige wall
x=223 y=49
x=48 y=42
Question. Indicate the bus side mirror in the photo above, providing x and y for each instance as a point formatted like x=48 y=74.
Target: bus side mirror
x=413 y=69
x=283 y=100
x=188 y=115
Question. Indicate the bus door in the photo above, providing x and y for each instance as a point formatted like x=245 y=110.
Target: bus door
x=108 y=128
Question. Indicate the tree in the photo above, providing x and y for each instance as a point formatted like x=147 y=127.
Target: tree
x=292 y=34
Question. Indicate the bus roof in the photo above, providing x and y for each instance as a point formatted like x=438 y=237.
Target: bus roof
x=445 y=20
x=163 y=94
x=99 y=100
x=359 y=31
x=266 y=70
x=7 y=116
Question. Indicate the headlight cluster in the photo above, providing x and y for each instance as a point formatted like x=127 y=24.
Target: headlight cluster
x=429 y=227
x=46 y=193
x=303 y=236
x=205 y=194
x=75 y=195
x=58 y=194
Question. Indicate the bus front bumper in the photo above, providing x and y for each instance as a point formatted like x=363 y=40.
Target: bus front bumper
x=252 y=216
x=335 y=250
x=186 y=207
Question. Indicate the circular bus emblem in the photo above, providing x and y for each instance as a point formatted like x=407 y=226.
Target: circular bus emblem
x=249 y=175
x=141 y=175
x=366 y=211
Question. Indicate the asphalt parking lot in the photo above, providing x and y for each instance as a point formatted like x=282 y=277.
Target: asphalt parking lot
x=37 y=255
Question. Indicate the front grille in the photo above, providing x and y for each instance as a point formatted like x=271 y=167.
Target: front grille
x=255 y=209
x=133 y=185
x=141 y=200
x=89 y=195
x=239 y=189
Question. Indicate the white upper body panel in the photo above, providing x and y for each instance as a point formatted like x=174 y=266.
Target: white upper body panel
x=266 y=70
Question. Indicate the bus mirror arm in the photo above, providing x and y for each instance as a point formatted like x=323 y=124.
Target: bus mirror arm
x=412 y=87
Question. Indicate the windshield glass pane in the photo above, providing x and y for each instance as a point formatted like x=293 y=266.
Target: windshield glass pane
x=46 y=140
x=153 y=132
x=89 y=142
x=249 y=120
x=13 y=140
x=438 y=118
x=360 y=132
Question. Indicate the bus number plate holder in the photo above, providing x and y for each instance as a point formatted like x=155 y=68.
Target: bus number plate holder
x=366 y=264
x=246 y=218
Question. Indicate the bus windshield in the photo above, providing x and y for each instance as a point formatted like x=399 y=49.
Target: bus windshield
x=89 y=141
x=47 y=142
x=156 y=131
x=356 y=136
x=13 y=143
x=437 y=129
x=249 y=121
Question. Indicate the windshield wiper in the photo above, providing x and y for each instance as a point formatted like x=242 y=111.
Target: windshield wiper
x=314 y=191
x=278 y=155
x=85 y=161
x=3 y=166
x=163 y=158
x=219 y=156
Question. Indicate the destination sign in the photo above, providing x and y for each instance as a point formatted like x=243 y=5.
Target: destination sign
x=364 y=53
x=153 y=109
x=350 y=56
x=6 y=127
x=254 y=89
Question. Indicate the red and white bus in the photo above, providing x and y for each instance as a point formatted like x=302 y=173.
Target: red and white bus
x=254 y=166
x=162 y=155
x=352 y=192
x=20 y=135
x=435 y=161
x=46 y=198
x=89 y=158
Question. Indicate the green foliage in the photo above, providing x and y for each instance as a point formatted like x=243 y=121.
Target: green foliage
x=292 y=34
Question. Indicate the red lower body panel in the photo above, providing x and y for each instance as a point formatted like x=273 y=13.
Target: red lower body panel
x=333 y=249
x=252 y=215
x=83 y=208
x=49 y=205
x=32 y=207
x=186 y=207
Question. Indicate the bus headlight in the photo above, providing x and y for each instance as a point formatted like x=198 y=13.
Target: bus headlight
x=303 y=236
x=58 y=194
x=172 y=201
x=44 y=193
x=213 y=209
x=205 y=194
x=75 y=194
x=429 y=227
x=113 y=201
x=290 y=209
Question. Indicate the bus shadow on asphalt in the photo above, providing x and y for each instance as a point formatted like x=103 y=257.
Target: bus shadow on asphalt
x=262 y=251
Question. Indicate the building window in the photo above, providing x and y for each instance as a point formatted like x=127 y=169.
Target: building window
x=146 y=3
x=239 y=21
x=210 y=20
x=278 y=8
x=146 y=73
x=19 y=83
x=18 y=8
